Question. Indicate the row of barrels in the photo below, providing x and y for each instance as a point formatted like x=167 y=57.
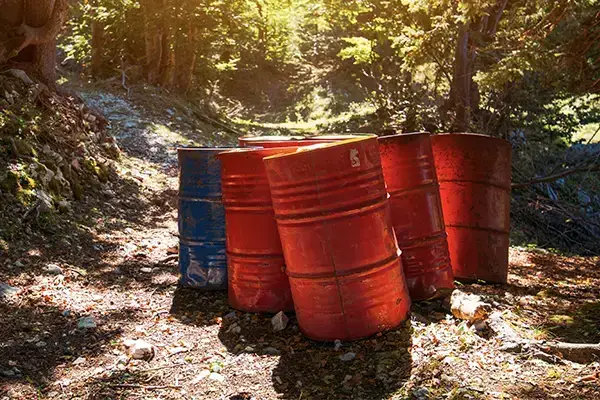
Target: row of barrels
x=344 y=230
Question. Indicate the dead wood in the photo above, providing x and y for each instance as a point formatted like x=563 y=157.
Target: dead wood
x=582 y=353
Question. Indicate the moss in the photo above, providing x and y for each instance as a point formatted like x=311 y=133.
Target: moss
x=24 y=148
x=77 y=190
x=26 y=197
x=10 y=182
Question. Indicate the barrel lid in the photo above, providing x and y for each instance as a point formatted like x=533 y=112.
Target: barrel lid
x=256 y=150
x=400 y=136
x=340 y=136
x=270 y=138
x=320 y=146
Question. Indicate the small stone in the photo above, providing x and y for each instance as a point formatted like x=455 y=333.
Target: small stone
x=139 y=349
x=279 y=321
x=214 y=376
x=53 y=269
x=12 y=363
x=421 y=393
x=337 y=345
x=249 y=349
x=234 y=328
x=9 y=373
x=86 y=322
x=18 y=264
x=146 y=270
x=201 y=376
x=348 y=356
x=511 y=347
x=7 y=291
x=272 y=351
x=64 y=206
x=232 y=315
x=79 y=361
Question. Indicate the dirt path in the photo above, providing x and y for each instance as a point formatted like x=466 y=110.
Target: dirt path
x=106 y=265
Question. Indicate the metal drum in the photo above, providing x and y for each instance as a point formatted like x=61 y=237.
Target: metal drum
x=411 y=181
x=202 y=258
x=341 y=254
x=256 y=267
x=474 y=172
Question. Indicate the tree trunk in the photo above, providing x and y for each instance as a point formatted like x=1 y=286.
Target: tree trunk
x=185 y=57
x=97 y=47
x=33 y=27
x=462 y=81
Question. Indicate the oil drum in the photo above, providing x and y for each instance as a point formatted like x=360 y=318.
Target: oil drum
x=341 y=254
x=410 y=177
x=474 y=172
x=256 y=268
x=202 y=255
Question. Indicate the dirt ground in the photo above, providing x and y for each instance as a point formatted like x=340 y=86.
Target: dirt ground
x=112 y=252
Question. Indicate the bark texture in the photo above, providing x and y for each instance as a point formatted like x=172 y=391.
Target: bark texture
x=28 y=35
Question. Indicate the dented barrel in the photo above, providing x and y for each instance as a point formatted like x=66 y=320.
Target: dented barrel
x=202 y=256
x=410 y=177
x=256 y=267
x=341 y=254
x=474 y=172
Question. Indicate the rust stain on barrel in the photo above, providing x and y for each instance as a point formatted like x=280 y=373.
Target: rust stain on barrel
x=474 y=172
x=341 y=254
x=411 y=181
x=256 y=267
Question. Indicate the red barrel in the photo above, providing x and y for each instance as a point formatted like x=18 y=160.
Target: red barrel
x=341 y=254
x=255 y=265
x=409 y=172
x=474 y=173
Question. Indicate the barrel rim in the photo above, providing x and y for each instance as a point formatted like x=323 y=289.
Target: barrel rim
x=471 y=135
x=318 y=147
x=407 y=136
x=271 y=138
x=340 y=137
x=207 y=149
x=243 y=150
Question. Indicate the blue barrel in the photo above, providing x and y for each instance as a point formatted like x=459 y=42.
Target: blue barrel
x=202 y=259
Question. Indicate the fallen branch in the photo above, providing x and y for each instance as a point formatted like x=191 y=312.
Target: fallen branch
x=553 y=177
x=578 y=352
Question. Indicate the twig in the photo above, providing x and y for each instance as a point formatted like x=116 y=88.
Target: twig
x=553 y=177
x=133 y=386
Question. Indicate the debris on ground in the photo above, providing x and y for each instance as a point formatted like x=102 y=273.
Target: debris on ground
x=139 y=349
x=279 y=321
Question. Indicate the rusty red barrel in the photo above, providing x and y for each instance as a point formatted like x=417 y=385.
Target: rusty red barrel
x=474 y=172
x=341 y=254
x=411 y=181
x=255 y=265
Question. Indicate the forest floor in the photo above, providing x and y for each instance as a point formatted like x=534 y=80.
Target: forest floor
x=71 y=297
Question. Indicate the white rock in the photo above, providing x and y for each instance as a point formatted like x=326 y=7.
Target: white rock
x=79 y=361
x=139 y=349
x=337 y=344
x=40 y=344
x=201 y=376
x=347 y=357
x=279 y=321
x=146 y=270
x=216 y=377
x=7 y=291
x=53 y=269
x=86 y=322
